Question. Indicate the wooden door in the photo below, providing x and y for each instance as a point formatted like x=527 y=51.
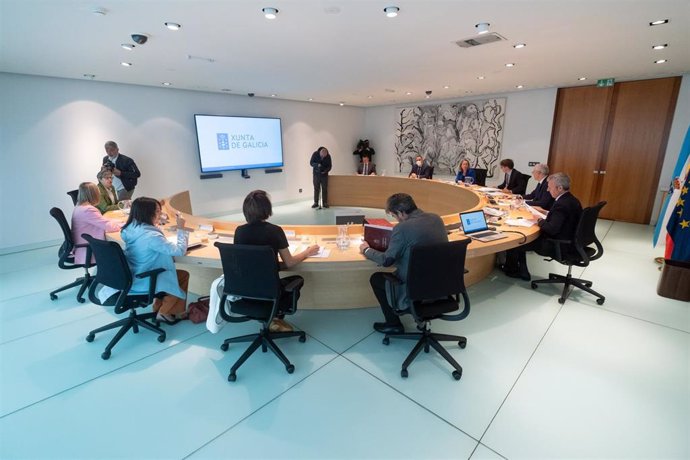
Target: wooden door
x=641 y=118
x=579 y=135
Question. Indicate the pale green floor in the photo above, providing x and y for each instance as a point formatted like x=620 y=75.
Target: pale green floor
x=541 y=380
x=302 y=213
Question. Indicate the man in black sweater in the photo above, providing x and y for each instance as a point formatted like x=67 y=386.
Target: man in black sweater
x=321 y=163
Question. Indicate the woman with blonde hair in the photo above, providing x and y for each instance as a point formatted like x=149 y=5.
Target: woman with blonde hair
x=464 y=171
x=86 y=218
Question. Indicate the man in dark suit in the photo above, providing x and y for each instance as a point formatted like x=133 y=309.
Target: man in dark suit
x=414 y=227
x=513 y=181
x=420 y=169
x=560 y=223
x=125 y=171
x=540 y=196
x=366 y=167
x=321 y=163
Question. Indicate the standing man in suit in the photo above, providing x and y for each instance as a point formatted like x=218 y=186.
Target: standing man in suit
x=420 y=169
x=513 y=181
x=560 y=223
x=125 y=171
x=366 y=167
x=414 y=227
x=321 y=164
x=540 y=196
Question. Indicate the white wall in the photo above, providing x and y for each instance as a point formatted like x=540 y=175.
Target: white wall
x=527 y=134
x=53 y=131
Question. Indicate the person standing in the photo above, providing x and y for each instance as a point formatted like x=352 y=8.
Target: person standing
x=414 y=227
x=321 y=164
x=125 y=171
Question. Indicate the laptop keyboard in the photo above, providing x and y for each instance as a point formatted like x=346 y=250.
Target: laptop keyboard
x=483 y=234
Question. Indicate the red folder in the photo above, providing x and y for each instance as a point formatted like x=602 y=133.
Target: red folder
x=377 y=232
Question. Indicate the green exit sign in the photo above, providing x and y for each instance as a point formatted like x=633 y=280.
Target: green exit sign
x=604 y=82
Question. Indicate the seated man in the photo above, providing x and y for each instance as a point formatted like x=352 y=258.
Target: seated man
x=540 y=196
x=560 y=223
x=414 y=227
x=366 y=167
x=513 y=181
x=420 y=169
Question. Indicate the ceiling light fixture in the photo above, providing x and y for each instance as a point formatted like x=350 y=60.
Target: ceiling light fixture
x=519 y=86
x=172 y=25
x=370 y=97
x=127 y=46
x=310 y=99
x=166 y=83
x=99 y=11
x=270 y=13
x=517 y=46
x=446 y=87
x=660 y=61
x=510 y=64
x=481 y=77
x=90 y=76
x=582 y=79
x=273 y=95
x=659 y=22
x=659 y=47
x=341 y=103
x=482 y=28
x=126 y=64
x=409 y=93
x=391 y=11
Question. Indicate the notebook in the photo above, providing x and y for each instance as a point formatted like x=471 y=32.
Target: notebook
x=474 y=225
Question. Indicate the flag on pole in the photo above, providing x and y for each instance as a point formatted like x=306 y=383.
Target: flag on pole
x=680 y=171
x=678 y=227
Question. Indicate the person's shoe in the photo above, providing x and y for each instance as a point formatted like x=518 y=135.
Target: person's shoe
x=326 y=206
x=387 y=328
x=279 y=325
x=167 y=319
x=314 y=206
x=522 y=276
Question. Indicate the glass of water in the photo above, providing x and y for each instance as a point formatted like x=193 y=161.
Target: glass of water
x=469 y=180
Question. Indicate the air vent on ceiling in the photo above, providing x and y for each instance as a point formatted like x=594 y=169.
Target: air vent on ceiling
x=479 y=40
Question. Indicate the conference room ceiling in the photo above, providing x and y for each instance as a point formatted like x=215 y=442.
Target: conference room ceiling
x=346 y=51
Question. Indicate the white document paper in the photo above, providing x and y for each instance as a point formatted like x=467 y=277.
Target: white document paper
x=323 y=253
x=534 y=212
x=520 y=222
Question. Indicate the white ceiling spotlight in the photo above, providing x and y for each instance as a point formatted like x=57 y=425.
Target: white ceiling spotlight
x=173 y=25
x=482 y=28
x=127 y=46
x=391 y=11
x=270 y=13
x=518 y=46
x=660 y=47
x=341 y=103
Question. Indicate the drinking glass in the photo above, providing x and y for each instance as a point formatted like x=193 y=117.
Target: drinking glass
x=342 y=241
x=469 y=180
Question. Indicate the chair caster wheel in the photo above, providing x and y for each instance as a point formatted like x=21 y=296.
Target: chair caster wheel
x=105 y=355
x=534 y=285
x=161 y=338
x=457 y=375
x=386 y=341
x=426 y=348
x=232 y=377
x=600 y=301
x=90 y=337
x=224 y=347
x=264 y=348
x=462 y=343
x=80 y=300
x=561 y=300
x=290 y=369
x=403 y=373
x=302 y=338
x=53 y=297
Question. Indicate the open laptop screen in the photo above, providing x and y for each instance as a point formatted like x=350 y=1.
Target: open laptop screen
x=473 y=221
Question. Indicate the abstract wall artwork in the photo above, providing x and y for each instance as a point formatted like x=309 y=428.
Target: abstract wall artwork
x=444 y=134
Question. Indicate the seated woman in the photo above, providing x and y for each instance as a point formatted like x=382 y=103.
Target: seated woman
x=147 y=248
x=86 y=218
x=257 y=209
x=465 y=171
x=108 y=200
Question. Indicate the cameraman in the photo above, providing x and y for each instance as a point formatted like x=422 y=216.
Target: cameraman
x=125 y=171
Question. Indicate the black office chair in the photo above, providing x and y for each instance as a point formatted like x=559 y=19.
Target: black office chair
x=256 y=293
x=73 y=194
x=480 y=176
x=435 y=284
x=576 y=252
x=431 y=172
x=66 y=258
x=113 y=271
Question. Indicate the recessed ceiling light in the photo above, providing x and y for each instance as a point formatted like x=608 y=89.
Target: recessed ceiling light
x=468 y=92
x=310 y=99
x=126 y=64
x=517 y=46
x=370 y=97
x=510 y=64
x=482 y=28
x=519 y=86
x=172 y=25
x=270 y=13
x=660 y=61
x=446 y=87
x=273 y=95
x=659 y=22
x=391 y=11
x=99 y=11
x=127 y=46
x=481 y=77
x=659 y=47
x=90 y=76
x=341 y=103
x=582 y=79
x=409 y=93
x=166 y=83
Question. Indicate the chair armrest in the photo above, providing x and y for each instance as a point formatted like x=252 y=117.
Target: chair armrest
x=465 y=311
x=150 y=273
x=153 y=275
x=558 y=254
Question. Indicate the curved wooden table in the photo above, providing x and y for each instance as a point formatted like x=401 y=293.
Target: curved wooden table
x=342 y=279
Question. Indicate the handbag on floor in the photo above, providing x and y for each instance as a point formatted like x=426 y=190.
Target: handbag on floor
x=198 y=311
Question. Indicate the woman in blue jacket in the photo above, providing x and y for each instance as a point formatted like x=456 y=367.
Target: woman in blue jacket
x=464 y=171
x=147 y=248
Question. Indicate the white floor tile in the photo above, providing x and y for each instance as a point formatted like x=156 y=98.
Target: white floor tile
x=484 y=453
x=337 y=329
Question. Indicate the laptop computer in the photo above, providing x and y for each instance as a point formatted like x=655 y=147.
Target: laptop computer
x=474 y=225
x=349 y=219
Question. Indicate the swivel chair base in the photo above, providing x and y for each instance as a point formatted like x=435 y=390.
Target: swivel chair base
x=264 y=339
x=426 y=339
x=83 y=282
x=133 y=321
x=567 y=282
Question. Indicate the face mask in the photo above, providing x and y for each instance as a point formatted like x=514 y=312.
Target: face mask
x=419 y=163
